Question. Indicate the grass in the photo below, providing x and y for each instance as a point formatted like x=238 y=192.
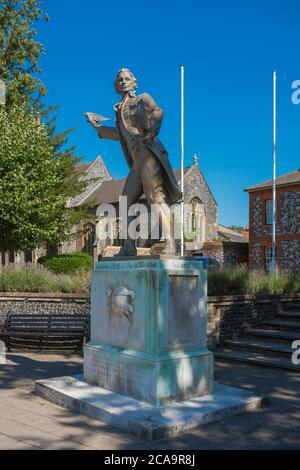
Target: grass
x=40 y=279
x=241 y=281
x=238 y=281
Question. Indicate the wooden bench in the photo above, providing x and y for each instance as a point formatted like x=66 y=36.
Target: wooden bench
x=43 y=331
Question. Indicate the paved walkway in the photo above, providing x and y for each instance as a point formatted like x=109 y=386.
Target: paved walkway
x=29 y=422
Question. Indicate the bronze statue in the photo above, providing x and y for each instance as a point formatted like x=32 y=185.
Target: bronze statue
x=138 y=122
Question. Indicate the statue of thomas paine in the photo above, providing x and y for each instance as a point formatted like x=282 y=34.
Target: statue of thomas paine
x=138 y=122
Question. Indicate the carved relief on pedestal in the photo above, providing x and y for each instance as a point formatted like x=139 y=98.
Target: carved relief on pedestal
x=119 y=302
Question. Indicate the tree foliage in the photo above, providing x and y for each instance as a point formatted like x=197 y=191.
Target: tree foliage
x=36 y=180
x=238 y=228
x=20 y=52
x=36 y=176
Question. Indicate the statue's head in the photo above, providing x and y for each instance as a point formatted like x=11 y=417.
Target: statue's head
x=125 y=82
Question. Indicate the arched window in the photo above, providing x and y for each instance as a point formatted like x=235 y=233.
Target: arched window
x=11 y=257
x=116 y=229
x=197 y=220
x=28 y=257
x=52 y=250
x=88 y=238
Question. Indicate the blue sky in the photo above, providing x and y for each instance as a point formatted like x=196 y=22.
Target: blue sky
x=229 y=49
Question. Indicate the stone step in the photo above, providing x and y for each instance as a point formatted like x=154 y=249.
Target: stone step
x=289 y=315
x=292 y=307
x=269 y=347
x=255 y=358
x=281 y=324
x=282 y=336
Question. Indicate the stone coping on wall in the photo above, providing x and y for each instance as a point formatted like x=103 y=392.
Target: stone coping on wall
x=44 y=296
x=86 y=297
x=258 y=298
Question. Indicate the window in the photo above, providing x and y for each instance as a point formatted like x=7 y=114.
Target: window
x=28 y=257
x=269 y=212
x=89 y=238
x=52 y=250
x=268 y=257
x=116 y=241
x=197 y=221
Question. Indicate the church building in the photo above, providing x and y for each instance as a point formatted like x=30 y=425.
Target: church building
x=203 y=235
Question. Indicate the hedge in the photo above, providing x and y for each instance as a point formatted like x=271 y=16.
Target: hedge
x=68 y=263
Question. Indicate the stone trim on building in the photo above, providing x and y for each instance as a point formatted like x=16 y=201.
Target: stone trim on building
x=287 y=227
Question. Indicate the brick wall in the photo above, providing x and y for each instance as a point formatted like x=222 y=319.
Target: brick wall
x=43 y=303
x=225 y=253
x=227 y=315
x=287 y=228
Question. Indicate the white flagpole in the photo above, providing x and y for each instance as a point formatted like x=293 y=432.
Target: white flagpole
x=182 y=163
x=274 y=264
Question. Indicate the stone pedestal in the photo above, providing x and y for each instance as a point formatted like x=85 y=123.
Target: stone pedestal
x=148 y=329
x=147 y=369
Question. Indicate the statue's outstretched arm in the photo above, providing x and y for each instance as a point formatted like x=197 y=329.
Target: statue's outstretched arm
x=106 y=132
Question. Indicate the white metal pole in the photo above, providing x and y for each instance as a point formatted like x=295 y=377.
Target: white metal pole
x=182 y=163
x=274 y=264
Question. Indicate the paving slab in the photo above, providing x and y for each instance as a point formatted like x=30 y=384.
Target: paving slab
x=148 y=422
x=272 y=427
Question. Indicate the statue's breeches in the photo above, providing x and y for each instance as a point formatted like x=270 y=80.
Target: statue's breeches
x=146 y=177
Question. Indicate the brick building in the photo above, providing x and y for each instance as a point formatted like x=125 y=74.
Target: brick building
x=287 y=226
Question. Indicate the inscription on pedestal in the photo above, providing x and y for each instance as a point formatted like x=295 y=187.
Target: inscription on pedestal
x=121 y=377
x=183 y=321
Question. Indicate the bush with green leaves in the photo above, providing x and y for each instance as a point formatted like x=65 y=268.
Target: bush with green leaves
x=68 y=263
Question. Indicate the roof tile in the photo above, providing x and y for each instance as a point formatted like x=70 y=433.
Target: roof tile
x=288 y=178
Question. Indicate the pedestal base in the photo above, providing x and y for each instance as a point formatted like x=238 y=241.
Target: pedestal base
x=156 y=379
x=146 y=421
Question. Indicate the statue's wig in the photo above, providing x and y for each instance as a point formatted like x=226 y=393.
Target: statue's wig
x=135 y=85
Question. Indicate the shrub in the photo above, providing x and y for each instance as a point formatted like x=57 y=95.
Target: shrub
x=228 y=281
x=40 y=279
x=240 y=281
x=68 y=263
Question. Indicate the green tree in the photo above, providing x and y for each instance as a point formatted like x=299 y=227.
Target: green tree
x=36 y=180
x=238 y=228
x=36 y=175
x=20 y=52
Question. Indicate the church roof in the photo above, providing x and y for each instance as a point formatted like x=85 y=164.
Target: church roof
x=109 y=191
x=230 y=235
x=82 y=167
